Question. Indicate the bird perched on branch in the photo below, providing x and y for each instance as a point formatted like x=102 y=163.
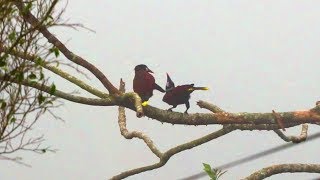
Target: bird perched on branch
x=180 y=94
x=144 y=83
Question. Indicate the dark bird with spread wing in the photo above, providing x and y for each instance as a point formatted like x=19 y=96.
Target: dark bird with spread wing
x=180 y=94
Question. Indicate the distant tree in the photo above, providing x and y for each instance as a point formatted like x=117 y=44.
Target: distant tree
x=28 y=51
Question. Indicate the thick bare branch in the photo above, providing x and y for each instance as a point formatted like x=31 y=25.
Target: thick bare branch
x=31 y=19
x=284 y=168
x=245 y=121
x=289 y=118
x=294 y=139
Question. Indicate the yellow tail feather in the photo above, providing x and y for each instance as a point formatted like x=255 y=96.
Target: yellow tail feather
x=198 y=88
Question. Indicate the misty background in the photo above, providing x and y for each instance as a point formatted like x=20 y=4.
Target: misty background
x=254 y=56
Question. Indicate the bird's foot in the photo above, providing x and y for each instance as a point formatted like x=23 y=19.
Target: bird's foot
x=186 y=112
x=145 y=103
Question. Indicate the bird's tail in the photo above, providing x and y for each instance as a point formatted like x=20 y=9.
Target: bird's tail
x=159 y=88
x=198 y=88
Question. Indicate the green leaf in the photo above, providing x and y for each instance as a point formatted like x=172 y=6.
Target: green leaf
x=3 y=105
x=20 y=76
x=22 y=41
x=5 y=57
x=12 y=120
x=12 y=36
x=49 y=20
x=27 y=7
x=41 y=98
x=41 y=76
x=32 y=76
x=55 y=50
x=207 y=167
x=52 y=89
x=39 y=61
x=208 y=170
x=2 y=63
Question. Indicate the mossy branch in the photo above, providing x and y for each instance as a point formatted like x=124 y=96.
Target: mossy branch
x=243 y=121
x=284 y=168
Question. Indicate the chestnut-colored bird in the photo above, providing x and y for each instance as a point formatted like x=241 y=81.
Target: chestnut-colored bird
x=144 y=83
x=180 y=94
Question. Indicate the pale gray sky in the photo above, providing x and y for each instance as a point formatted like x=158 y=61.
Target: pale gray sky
x=254 y=55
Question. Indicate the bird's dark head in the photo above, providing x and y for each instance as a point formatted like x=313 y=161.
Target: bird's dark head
x=142 y=67
x=169 y=84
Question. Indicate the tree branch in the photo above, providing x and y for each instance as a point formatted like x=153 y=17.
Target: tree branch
x=134 y=134
x=244 y=121
x=307 y=116
x=63 y=95
x=283 y=168
x=294 y=139
x=211 y=107
x=55 y=70
x=168 y=154
x=278 y=119
x=31 y=19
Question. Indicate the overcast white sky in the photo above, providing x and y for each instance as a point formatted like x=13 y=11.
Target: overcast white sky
x=255 y=56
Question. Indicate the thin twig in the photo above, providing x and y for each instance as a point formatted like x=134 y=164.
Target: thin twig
x=278 y=119
x=295 y=139
x=211 y=107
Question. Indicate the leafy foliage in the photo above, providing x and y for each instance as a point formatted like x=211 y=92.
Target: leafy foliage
x=214 y=174
x=22 y=106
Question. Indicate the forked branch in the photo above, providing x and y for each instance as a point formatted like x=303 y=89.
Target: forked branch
x=164 y=157
x=134 y=134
